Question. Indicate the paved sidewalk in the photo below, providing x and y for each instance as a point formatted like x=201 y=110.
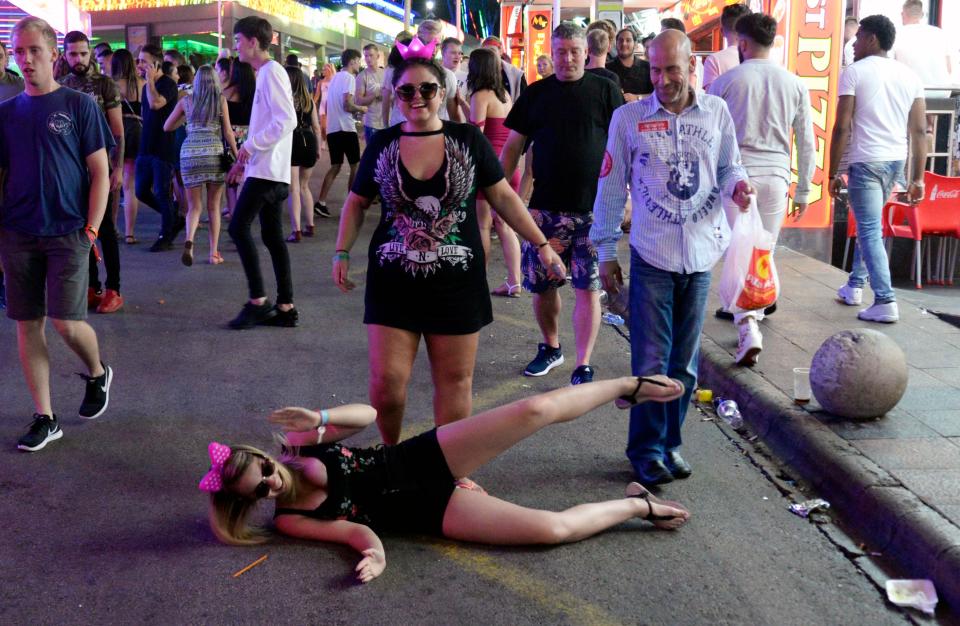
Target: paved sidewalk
x=895 y=479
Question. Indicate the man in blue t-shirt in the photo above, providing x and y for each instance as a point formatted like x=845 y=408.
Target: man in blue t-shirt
x=54 y=182
x=155 y=162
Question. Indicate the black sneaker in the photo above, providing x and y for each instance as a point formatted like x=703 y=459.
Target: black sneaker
x=97 y=396
x=286 y=319
x=583 y=374
x=319 y=208
x=161 y=245
x=253 y=314
x=547 y=358
x=43 y=430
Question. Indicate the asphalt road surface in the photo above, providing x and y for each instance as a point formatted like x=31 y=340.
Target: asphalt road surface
x=107 y=525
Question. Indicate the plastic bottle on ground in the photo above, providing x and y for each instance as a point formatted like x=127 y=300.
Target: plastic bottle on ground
x=729 y=412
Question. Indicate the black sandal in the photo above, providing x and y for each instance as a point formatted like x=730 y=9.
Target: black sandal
x=651 y=516
x=630 y=399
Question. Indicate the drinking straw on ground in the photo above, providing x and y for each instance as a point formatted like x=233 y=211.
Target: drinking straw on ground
x=251 y=566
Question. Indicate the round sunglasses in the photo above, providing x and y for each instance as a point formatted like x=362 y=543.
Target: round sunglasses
x=267 y=469
x=407 y=91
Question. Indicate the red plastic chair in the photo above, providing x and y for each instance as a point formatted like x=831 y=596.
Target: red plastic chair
x=937 y=214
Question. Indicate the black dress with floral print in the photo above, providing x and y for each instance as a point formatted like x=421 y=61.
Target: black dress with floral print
x=402 y=488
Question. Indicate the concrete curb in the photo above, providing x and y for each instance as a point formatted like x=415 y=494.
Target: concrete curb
x=891 y=518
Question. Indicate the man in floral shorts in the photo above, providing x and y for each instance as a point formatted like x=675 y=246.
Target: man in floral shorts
x=566 y=116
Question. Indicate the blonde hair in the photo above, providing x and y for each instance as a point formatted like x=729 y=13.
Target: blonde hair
x=206 y=97
x=38 y=25
x=230 y=511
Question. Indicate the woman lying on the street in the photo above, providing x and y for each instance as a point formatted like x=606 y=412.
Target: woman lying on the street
x=329 y=492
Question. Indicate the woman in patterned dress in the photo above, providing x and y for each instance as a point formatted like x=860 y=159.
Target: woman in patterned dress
x=426 y=272
x=208 y=127
x=325 y=491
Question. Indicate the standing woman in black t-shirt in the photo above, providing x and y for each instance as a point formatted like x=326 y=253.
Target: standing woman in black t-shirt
x=425 y=270
x=239 y=92
x=123 y=70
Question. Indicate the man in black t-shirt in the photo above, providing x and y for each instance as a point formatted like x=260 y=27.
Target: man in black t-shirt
x=155 y=162
x=598 y=45
x=634 y=73
x=566 y=116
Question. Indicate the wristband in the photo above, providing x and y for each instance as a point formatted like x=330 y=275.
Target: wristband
x=540 y=245
x=341 y=255
x=93 y=230
x=324 y=417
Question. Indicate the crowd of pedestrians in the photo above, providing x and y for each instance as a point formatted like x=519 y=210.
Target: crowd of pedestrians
x=612 y=142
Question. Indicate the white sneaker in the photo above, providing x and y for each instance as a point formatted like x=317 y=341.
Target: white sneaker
x=851 y=296
x=886 y=313
x=750 y=344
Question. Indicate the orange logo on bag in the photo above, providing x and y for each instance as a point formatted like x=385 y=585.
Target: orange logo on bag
x=759 y=287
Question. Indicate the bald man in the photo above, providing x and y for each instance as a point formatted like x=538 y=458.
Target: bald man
x=678 y=152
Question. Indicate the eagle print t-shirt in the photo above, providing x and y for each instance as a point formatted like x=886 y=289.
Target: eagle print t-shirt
x=426 y=265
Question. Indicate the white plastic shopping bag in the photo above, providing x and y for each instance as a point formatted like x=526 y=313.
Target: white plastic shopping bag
x=749 y=279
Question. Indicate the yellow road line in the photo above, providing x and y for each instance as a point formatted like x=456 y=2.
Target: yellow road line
x=521 y=583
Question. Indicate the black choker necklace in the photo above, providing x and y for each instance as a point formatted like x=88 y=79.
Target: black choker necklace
x=421 y=133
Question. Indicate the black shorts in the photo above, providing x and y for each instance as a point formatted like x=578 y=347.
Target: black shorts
x=343 y=143
x=419 y=486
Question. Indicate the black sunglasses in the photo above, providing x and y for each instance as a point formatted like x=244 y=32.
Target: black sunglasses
x=428 y=91
x=263 y=489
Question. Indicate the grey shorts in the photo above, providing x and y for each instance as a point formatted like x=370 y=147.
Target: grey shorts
x=45 y=275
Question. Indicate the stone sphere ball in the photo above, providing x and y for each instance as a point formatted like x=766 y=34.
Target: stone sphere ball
x=859 y=374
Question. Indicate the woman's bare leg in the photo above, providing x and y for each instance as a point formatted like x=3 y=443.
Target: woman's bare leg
x=130 y=204
x=306 y=196
x=194 y=206
x=484 y=221
x=391 y=353
x=452 y=361
x=471 y=442
x=511 y=249
x=294 y=198
x=482 y=518
x=214 y=194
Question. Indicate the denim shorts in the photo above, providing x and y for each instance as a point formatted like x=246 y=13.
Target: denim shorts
x=45 y=275
x=569 y=236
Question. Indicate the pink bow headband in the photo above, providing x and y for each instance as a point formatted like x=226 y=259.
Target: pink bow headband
x=212 y=481
x=417 y=49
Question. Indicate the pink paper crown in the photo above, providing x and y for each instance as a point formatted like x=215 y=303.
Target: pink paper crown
x=417 y=49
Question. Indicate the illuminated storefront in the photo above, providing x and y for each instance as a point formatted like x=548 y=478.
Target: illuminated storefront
x=192 y=25
x=63 y=15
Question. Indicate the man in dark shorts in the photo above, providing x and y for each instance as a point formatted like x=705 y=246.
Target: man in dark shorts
x=155 y=162
x=566 y=116
x=341 y=127
x=54 y=182
x=103 y=90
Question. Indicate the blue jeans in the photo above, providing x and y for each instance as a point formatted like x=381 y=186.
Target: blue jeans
x=368 y=132
x=152 y=179
x=666 y=317
x=868 y=188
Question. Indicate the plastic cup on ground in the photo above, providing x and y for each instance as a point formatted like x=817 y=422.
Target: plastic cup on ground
x=801 y=385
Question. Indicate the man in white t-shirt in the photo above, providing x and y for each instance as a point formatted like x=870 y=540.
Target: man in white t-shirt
x=263 y=162
x=728 y=58
x=924 y=48
x=369 y=84
x=429 y=31
x=880 y=101
x=451 y=57
x=341 y=127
